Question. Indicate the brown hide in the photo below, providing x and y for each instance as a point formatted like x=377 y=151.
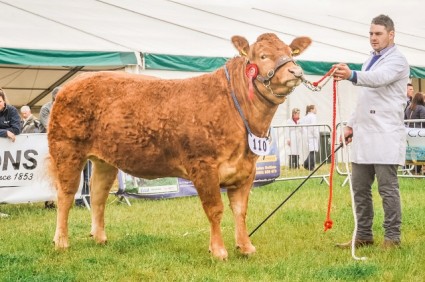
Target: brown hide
x=185 y=128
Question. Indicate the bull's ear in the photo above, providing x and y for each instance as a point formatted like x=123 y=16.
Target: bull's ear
x=299 y=44
x=241 y=44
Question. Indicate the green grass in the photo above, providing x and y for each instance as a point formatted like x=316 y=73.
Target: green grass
x=167 y=240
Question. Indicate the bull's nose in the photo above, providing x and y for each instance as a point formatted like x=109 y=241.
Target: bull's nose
x=296 y=71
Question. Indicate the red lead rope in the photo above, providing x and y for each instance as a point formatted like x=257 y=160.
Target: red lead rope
x=328 y=222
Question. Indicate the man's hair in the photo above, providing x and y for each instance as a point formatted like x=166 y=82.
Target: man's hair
x=385 y=21
x=25 y=109
x=409 y=84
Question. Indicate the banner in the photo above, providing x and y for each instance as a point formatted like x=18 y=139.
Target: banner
x=415 y=150
x=268 y=169
x=23 y=170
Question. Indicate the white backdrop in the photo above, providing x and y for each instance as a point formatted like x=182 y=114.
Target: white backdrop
x=23 y=170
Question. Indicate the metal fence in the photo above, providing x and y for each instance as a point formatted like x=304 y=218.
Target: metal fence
x=293 y=155
x=295 y=143
x=412 y=168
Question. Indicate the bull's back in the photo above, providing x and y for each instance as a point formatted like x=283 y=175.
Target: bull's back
x=115 y=116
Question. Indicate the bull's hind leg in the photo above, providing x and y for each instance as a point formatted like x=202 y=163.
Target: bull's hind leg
x=209 y=192
x=238 y=199
x=67 y=166
x=103 y=176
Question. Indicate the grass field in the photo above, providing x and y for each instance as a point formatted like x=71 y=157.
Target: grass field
x=167 y=240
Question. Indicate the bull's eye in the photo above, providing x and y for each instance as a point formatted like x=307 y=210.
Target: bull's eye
x=263 y=57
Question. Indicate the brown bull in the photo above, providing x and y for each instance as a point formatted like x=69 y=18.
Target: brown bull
x=186 y=128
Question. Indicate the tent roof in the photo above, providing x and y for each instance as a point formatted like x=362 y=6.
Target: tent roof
x=186 y=35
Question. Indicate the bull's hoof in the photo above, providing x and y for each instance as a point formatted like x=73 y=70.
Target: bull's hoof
x=99 y=237
x=246 y=250
x=61 y=243
x=220 y=254
x=100 y=240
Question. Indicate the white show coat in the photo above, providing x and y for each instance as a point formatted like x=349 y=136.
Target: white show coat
x=293 y=135
x=311 y=132
x=379 y=135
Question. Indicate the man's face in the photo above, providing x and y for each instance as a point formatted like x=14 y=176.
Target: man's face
x=379 y=37
x=409 y=91
x=26 y=114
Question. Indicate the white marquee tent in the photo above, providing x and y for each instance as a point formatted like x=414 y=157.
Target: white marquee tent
x=45 y=42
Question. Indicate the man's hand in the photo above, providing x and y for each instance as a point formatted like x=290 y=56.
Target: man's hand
x=343 y=72
x=11 y=136
x=348 y=135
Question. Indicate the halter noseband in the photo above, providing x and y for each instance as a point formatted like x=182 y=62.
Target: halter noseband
x=266 y=80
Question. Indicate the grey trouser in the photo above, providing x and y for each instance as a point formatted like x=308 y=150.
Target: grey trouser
x=362 y=179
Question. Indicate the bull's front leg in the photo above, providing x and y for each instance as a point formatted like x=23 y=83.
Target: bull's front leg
x=209 y=192
x=238 y=199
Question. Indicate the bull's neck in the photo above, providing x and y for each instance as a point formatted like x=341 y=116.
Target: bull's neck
x=258 y=111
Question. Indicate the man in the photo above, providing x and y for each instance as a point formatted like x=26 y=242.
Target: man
x=30 y=124
x=410 y=92
x=47 y=108
x=379 y=138
x=44 y=119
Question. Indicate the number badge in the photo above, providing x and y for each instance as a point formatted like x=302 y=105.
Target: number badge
x=259 y=145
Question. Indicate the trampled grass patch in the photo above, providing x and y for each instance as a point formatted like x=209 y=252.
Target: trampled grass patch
x=167 y=240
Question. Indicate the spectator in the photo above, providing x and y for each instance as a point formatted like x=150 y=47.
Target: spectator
x=410 y=92
x=379 y=140
x=10 y=121
x=10 y=125
x=293 y=140
x=312 y=135
x=416 y=110
x=44 y=119
x=30 y=124
x=46 y=108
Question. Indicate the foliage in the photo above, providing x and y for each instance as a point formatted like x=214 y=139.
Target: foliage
x=167 y=240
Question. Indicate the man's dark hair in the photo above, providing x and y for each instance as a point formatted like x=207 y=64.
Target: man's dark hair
x=409 y=84
x=385 y=21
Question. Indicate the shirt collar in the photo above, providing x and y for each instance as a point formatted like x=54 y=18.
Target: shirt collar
x=383 y=51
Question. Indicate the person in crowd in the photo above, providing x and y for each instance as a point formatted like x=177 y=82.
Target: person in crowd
x=30 y=124
x=46 y=109
x=377 y=132
x=410 y=92
x=10 y=123
x=312 y=135
x=44 y=119
x=416 y=110
x=293 y=140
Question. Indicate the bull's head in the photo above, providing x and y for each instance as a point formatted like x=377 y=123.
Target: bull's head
x=270 y=62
